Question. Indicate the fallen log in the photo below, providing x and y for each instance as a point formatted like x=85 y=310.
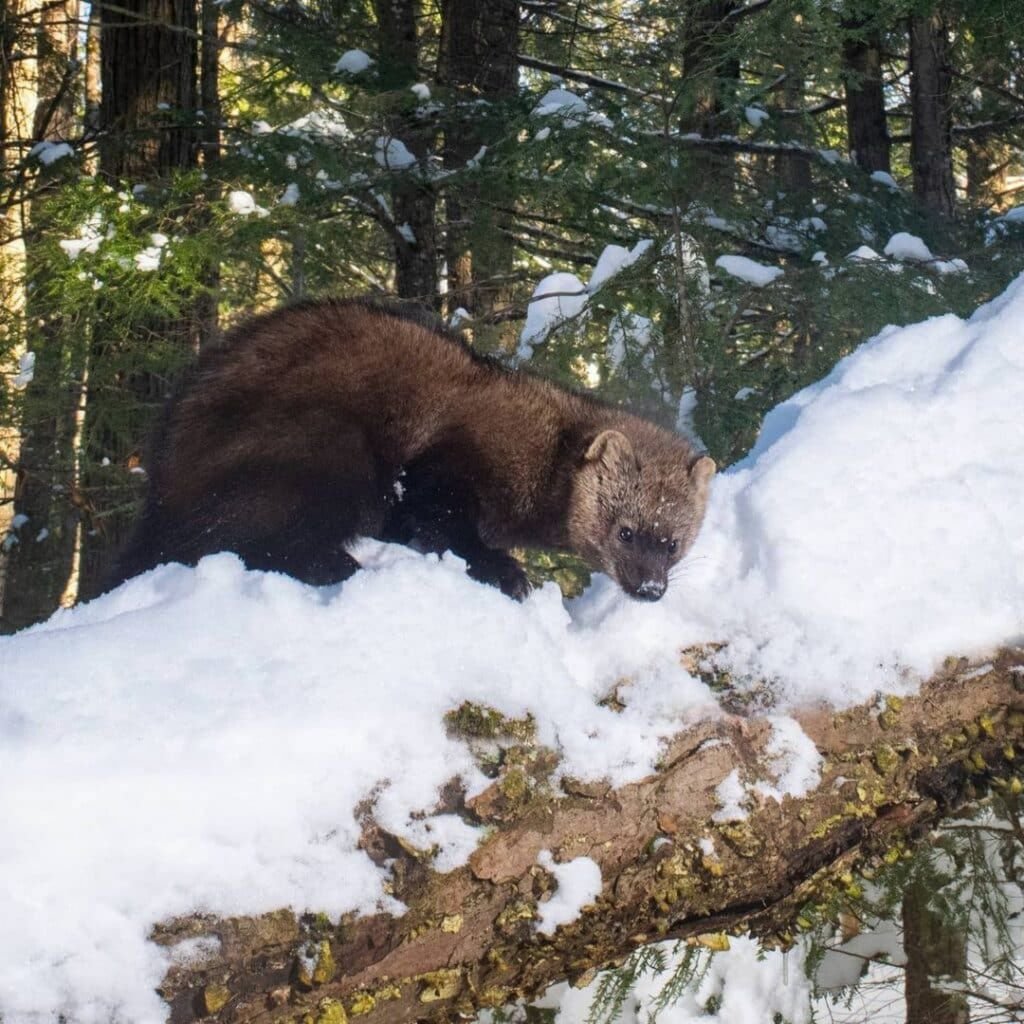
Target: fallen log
x=469 y=939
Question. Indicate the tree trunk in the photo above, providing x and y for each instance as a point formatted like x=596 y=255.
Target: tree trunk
x=931 y=140
x=934 y=950
x=149 y=87
x=209 y=99
x=149 y=58
x=478 y=61
x=469 y=938
x=794 y=169
x=866 y=125
x=17 y=106
x=413 y=229
x=40 y=565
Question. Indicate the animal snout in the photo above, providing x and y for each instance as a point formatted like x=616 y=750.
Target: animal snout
x=649 y=590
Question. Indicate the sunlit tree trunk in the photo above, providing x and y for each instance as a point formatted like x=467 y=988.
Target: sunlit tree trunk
x=17 y=106
x=41 y=565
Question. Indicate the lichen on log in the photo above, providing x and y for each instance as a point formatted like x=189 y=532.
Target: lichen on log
x=468 y=940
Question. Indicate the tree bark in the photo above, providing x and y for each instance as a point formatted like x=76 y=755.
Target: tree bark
x=478 y=61
x=469 y=939
x=866 y=123
x=934 y=950
x=149 y=58
x=931 y=138
x=413 y=200
x=147 y=109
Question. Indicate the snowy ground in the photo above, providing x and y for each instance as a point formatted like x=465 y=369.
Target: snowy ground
x=198 y=739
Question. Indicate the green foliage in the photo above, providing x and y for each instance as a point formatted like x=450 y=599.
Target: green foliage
x=300 y=201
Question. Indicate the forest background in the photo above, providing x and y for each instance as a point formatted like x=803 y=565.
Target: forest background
x=171 y=166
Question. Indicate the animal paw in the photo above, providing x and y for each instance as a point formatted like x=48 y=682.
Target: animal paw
x=502 y=571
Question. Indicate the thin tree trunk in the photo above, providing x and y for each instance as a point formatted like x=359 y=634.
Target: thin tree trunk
x=931 y=141
x=210 y=142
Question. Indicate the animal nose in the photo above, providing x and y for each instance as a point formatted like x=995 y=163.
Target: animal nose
x=650 y=590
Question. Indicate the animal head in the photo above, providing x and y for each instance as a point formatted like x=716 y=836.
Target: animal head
x=637 y=507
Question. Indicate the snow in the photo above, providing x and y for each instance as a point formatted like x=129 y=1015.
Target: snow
x=864 y=253
x=393 y=154
x=757 y=274
x=886 y=179
x=322 y=124
x=569 y=108
x=613 y=260
x=626 y=331
x=421 y=91
x=755 y=116
x=26 y=372
x=792 y=759
x=89 y=238
x=873 y=527
x=290 y=196
x=200 y=739
x=742 y=984
x=731 y=794
x=48 y=153
x=904 y=246
x=148 y=259
x=565 y=104
x=579 y=884
x=353 y=62
x=557 y=298
x=243 y=204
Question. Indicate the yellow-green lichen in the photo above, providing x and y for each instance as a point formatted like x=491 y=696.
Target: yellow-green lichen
x=214 y=998
x=329 y=1011
x=436 y=985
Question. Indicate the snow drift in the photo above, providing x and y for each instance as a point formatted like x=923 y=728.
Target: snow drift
x=198 y=740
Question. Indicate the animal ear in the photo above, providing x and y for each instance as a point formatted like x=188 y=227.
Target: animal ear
x=701 y=473
x=611 y=448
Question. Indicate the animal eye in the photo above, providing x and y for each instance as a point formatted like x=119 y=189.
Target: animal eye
x=673 y=546
x=626 y=535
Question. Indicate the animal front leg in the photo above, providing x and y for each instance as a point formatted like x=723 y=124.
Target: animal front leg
x=441 y=515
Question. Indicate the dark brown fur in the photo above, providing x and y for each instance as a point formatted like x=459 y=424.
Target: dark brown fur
x=331 y=420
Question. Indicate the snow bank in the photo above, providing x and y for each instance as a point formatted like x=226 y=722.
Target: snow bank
x=875 y=527
x=199 y=739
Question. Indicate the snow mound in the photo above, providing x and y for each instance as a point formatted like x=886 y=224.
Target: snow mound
x=905 y=246
x=875 y=526
x=353 y=62
x=199 y=739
